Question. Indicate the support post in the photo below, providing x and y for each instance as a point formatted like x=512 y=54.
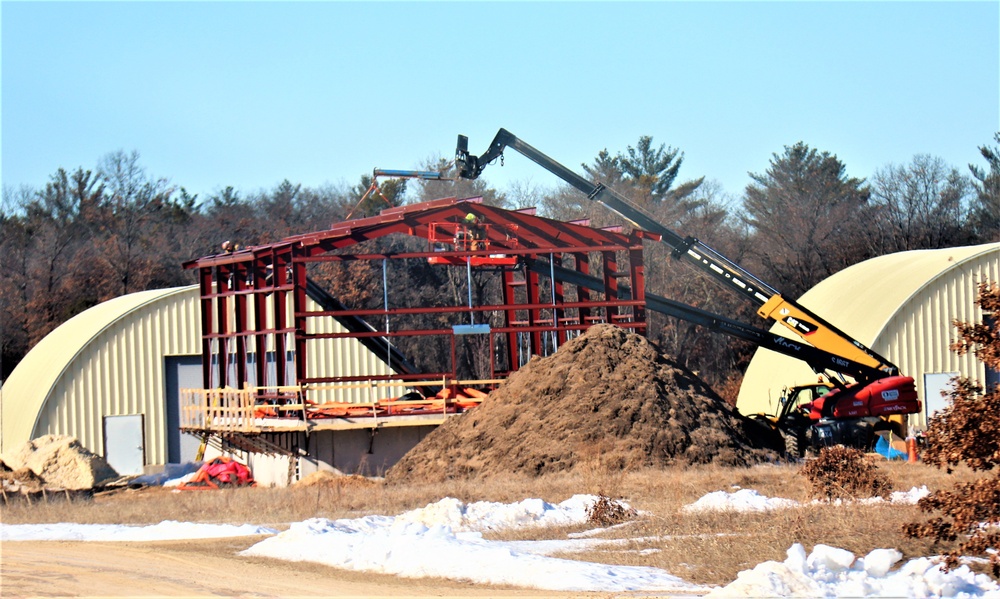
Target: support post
x=280 y=308
x=299 y=308
x=260 y=318
x=610 y=285
x=510 y=316
x=239 y=285
x=638 y=276
x=205 y=286
x=222 y=273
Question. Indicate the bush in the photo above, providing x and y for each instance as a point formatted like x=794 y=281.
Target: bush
x=607 y=511
x=845 y=473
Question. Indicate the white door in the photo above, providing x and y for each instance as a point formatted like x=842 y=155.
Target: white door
x=936 y=385
x=124 y=444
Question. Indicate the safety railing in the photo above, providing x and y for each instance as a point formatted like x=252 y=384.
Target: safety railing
x=223 y=410
x=254 y=409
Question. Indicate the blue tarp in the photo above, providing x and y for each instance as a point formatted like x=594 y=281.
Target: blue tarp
x=886 y=450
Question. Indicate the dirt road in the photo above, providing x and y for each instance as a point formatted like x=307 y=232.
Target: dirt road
x=202 y=569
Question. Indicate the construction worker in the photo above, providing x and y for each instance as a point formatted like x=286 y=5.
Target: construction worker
x=477 y=232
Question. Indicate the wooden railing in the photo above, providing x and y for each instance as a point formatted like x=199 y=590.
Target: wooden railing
x=252 y=408
x=228 y=409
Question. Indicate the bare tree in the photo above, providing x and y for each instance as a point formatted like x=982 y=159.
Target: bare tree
x=919 y=206
x=134 y=204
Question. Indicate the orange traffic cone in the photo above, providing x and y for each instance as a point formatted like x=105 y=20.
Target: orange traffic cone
x=911 y=450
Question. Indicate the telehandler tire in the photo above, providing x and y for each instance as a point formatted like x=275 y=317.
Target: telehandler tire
x=794 y=442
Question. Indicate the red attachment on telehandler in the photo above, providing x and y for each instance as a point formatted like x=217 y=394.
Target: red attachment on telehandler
x=883 y=397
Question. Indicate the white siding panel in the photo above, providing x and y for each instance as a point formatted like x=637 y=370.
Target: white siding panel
x=120 y=372
x=919 y=335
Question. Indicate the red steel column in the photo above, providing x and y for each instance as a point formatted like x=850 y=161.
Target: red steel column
x=510 y=316
x=280 y=298
x=205 y=286
x=582 y=293
x=222 y=314
x=240 y=323
x=534 y=314
x=557 y=312
x=638 y=275
x=260 y=317
x=610 y=284
x=299 y=308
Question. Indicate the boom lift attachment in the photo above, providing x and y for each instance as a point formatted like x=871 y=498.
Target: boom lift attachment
x=849 y=414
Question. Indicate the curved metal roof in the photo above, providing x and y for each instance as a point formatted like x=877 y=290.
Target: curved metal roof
x=862 y=301
x=29 y=386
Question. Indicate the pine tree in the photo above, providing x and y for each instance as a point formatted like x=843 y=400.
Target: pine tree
x=986 y=209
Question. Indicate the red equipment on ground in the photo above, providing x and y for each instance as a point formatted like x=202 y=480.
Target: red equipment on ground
x=219 y=473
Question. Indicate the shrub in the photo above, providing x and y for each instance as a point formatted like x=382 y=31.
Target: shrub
x=845 y=473
x=607 y=511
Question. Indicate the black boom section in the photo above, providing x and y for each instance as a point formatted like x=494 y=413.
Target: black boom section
x=817 y=359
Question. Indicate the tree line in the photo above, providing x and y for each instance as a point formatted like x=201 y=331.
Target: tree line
x=89 y=235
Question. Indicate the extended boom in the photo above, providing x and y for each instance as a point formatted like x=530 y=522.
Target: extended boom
x=770 y=303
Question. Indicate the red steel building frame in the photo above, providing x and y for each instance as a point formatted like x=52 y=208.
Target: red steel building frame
x=278 y=270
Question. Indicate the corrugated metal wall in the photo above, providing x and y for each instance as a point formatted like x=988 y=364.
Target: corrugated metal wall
x=917 y=338
x=340 y=357
x=324 y=357
x=120 y=372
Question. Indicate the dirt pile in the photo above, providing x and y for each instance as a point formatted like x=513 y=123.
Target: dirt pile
x=608 y=397
x=323 y=478
x=61 y=463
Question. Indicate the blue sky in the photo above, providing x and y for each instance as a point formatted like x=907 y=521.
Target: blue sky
x=248 y=94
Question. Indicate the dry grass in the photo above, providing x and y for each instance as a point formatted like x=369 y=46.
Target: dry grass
x=706 y=548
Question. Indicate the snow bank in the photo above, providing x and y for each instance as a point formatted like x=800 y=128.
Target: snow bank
x=832 y=572
x=487 y=515
x=744 y=500
x=749 y=500
x=445 y=539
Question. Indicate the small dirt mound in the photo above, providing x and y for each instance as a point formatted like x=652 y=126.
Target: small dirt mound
x=61 y=463
x=322 y=478
x=608 y=395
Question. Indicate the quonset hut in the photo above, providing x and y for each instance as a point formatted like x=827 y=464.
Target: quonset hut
x=112 y=377
x=103 y=377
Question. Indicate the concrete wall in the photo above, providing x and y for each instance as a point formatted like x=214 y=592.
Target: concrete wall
x=357 y=451
x=369 y=452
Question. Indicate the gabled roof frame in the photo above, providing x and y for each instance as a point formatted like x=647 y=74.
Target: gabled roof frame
x=279 y=269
